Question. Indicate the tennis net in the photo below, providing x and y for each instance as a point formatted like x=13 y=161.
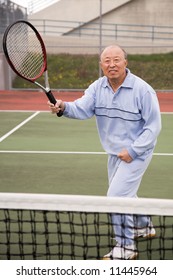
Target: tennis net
x=63 y=227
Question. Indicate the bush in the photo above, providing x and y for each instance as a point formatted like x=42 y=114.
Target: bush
x=79 y=71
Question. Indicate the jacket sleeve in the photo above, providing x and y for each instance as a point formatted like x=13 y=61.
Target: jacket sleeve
x=152 y=125
x=82 y=108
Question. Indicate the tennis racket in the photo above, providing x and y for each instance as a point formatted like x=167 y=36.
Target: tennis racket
x=26 y=54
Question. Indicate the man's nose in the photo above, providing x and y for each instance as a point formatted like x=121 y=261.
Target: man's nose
x=112 y=63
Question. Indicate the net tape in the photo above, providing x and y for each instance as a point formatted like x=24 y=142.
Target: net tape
x=42 y=226
x=87 y=203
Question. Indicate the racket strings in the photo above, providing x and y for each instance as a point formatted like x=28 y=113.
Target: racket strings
x=25 y=51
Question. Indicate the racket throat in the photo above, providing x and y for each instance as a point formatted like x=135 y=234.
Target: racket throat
x=50 y=96
x=47 y=92
x=43 y=88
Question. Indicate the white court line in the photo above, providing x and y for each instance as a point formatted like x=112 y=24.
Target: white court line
x=22 y=111
x=48 y=111
x=53 y=152
x=69 y=152
x=18 y=126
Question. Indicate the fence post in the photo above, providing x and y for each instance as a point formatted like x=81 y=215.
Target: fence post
x=44 y=26
x=79 y=29
x=100 y=36
x=152 y=33
x=116 y=35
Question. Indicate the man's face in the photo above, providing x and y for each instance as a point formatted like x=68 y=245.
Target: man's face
x=113 y=63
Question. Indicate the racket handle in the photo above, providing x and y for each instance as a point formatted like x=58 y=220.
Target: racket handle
x=53 y=100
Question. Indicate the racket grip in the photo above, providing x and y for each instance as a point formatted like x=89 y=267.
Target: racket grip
x=53 y=100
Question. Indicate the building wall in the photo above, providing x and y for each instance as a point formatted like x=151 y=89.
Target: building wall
x=77 y=10
x=146 y=12
x=137 y=19
x=123 y=16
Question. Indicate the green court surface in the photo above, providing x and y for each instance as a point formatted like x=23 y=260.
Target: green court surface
x=62 y=156
x=45 y=154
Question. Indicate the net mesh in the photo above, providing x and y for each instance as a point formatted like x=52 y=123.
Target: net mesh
x=39 y=227
x=25 y=51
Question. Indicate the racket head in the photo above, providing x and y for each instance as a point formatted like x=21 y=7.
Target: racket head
x=25 y=50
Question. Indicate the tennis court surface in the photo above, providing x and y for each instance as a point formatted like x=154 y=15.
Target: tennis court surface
x=43 y=154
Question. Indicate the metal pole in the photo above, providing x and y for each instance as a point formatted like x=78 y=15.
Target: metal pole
x=100 y=37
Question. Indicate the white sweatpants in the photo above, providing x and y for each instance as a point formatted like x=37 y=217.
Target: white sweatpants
x=124 y=181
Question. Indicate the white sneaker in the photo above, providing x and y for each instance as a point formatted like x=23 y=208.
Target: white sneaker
x=146 y=232
x=128 y=252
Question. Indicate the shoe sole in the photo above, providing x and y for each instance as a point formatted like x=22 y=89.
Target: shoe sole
x=106 y=259
x=134 y=257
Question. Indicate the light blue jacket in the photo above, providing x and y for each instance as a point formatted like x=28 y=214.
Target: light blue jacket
x=129 y=118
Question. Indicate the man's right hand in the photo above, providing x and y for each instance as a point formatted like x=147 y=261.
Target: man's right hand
x=59 y=106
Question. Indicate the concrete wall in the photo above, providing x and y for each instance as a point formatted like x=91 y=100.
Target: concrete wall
x=80 y=45
x=77 y=10
x=125 y=12
x=147 y=12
